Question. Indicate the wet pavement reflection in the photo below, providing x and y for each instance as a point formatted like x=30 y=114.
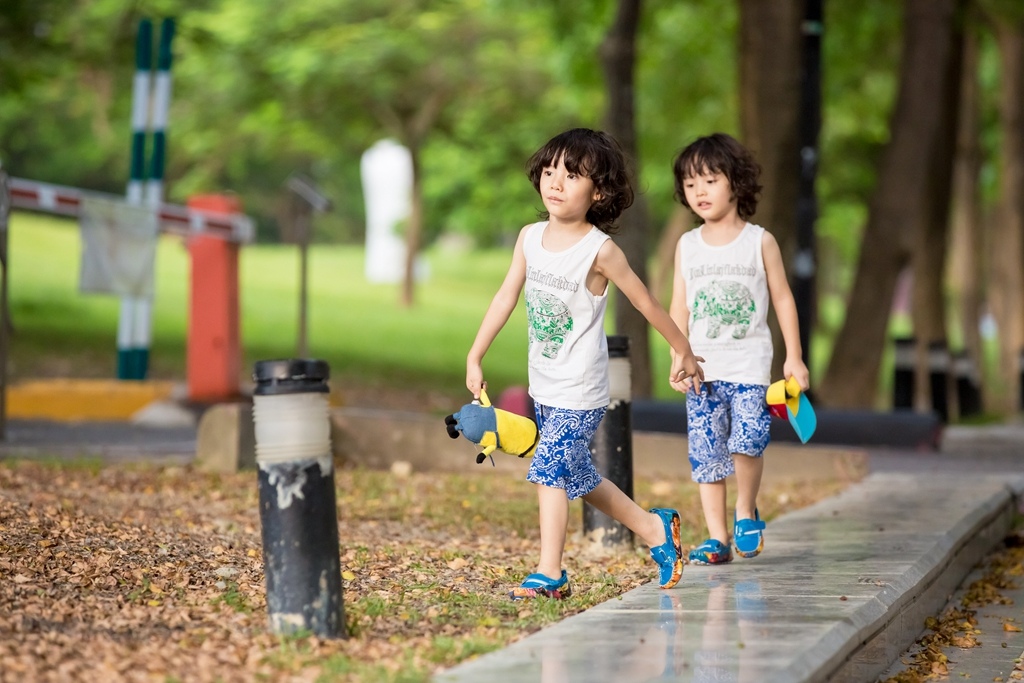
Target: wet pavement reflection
x=840 y=591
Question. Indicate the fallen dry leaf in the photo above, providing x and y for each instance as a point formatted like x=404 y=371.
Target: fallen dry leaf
x=127 y=574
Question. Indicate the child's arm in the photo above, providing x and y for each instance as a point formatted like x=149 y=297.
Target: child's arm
x=611 y=263
x=785 y=311
x=678 y=310
x=502 y=305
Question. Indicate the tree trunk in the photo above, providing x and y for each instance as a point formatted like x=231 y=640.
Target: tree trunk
x=965 y=263
x=898 y=207
x=929 y=256
x=1007 y=297
x=770 y=67
x=618 y=60
x=679 y=221
x=413 y=132
x=414 y=230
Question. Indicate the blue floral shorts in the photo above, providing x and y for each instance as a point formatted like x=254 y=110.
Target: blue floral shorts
x=562 y=459
x=726 y=418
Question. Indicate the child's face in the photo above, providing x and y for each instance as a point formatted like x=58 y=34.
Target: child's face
x=567 y=196
x=709 y=195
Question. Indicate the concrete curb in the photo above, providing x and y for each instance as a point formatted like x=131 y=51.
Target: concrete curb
x=861 y=647
x=842 y=589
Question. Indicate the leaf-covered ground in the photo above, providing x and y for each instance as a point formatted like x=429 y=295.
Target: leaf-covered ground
x=114 y=573
x=934 y=656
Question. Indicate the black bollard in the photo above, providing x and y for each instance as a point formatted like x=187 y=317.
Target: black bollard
x=298 y=511
x=903 y=373
x=939 y=378
x=612 y=447
x=968 y=385
x=1020 y=380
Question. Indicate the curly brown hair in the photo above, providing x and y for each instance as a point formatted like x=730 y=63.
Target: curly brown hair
x=591 y=154
x=720 y=153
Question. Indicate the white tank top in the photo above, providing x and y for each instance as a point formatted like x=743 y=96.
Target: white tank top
x=568 y=348
x=727 y=294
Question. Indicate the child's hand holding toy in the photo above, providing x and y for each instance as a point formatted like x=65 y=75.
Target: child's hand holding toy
x=787 y=401
x=493 y=429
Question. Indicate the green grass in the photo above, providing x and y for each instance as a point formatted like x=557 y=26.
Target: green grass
x=359 y=328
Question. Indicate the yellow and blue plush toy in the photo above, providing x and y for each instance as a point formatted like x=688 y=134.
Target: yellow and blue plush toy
x=786 y=400
x=493 y=429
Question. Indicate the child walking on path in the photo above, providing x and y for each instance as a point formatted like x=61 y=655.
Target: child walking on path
x=565 y=264
x=726 y=271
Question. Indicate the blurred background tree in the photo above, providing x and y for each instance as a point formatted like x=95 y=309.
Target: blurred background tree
x=264 y=89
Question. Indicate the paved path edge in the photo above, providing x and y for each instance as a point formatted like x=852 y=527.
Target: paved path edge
x=864 y=647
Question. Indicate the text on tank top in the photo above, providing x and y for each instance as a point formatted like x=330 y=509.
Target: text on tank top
x=568 y=351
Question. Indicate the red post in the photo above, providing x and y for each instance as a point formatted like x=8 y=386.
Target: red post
x=213 y=358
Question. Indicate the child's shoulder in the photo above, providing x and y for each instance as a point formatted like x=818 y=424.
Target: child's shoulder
x=529 y=227
x=760 y=232
x=690 y=236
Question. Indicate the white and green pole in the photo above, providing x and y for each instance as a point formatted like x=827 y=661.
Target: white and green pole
x=126 y=356
x=142 y=320
x=161 y=104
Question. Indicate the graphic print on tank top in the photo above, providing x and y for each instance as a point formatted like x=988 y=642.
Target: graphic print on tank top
x=549 y=319
x=725 y=303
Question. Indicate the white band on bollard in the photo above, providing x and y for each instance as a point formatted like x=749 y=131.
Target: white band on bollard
x=291 y=427
x=620 y=379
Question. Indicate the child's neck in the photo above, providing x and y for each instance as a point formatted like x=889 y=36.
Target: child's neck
x=720 y=232
x=730 y=223
x=572 y=225
x=561 y=234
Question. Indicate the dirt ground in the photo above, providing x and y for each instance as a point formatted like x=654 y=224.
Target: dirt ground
x=135 y=573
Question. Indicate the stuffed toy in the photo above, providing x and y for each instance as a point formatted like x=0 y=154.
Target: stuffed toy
x=493 y=429
x=786 y=401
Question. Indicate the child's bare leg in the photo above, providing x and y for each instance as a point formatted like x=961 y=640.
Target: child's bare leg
x=748 y=483
x=554 y=517
x=712 y=500
x=609 y=499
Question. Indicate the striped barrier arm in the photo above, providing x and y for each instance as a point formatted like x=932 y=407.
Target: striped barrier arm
x=32 y=195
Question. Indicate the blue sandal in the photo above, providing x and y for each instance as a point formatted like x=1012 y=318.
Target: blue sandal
x=669 y=555
x=541 y=585
x=747 y=537
x=711 y=552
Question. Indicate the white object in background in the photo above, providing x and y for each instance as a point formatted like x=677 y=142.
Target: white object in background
x=387 y=193
x=118 y=248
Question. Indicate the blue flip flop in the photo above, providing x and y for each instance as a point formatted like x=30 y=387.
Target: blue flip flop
x=536 y=585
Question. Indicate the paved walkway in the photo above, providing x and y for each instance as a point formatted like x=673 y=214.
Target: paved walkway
x=114 y=441
x=842 y=589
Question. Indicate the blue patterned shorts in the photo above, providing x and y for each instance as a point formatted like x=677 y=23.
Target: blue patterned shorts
x=728 y=418
x=562 y=459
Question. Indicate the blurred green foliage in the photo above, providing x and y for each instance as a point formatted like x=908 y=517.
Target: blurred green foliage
x=262 y=89
x=357 y=327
